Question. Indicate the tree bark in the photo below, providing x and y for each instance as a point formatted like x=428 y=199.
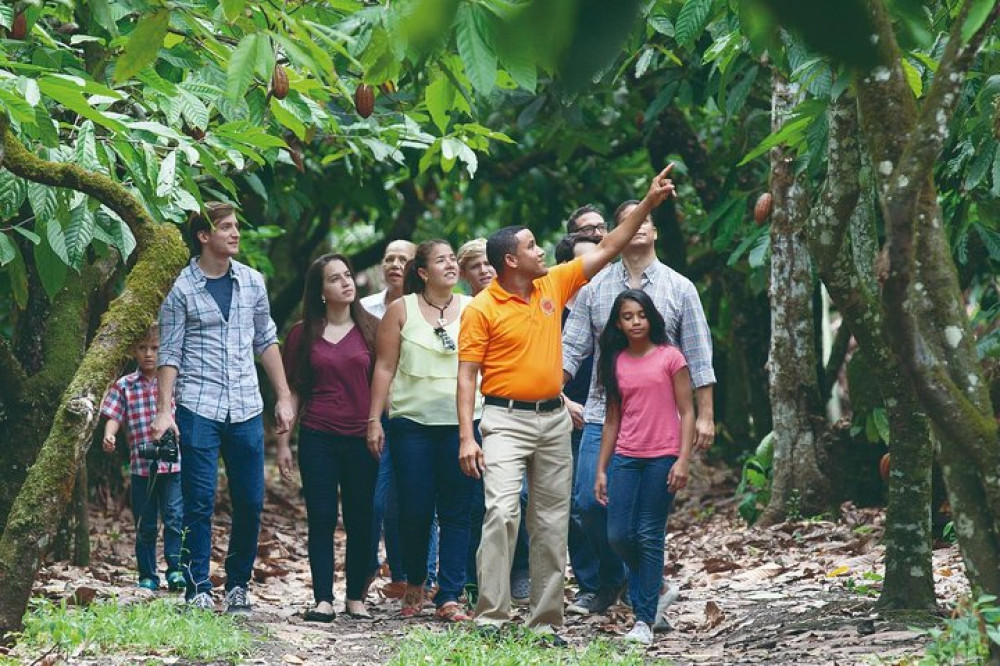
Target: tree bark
x=46 y=492
x=800 y=487
x=927 y=325
x=843 y=242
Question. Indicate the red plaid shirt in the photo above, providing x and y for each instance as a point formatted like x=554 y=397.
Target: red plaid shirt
x=131 y=402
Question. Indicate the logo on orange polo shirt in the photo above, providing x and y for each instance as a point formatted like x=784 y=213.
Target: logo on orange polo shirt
x=548 y=307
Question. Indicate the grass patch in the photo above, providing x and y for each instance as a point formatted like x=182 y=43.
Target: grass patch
x=156 y=628
x=514 y=647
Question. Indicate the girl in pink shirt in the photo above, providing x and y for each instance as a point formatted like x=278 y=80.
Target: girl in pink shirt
x=647 y=440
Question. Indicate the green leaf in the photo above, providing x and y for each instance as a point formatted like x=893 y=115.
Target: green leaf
x=70 y=95
x=241 y=65
x=692 y=20
x=232 y=9
x=6 y=16
x=440 y=96
x=56 y=239
x=79 y=233
x=913 y=78
x=166 y=178
x=978 y=14
x=758 y=253
x=193 y=109
x=143 y=45
x=17 y=107
x=284 y=115
x=477 y=54
x=43 y=200
x=8 y=251
x=118 y=230
x=51 y=266
x=642 y=63
x=991 y=240
x=13 y=190
x=792 y=132
x=30 y=235
x=978 y=168
x=882 y=424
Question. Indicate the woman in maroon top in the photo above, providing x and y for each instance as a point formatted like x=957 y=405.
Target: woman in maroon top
x=328 y=358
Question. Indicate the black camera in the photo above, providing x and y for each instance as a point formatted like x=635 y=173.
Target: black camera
x=165 y=449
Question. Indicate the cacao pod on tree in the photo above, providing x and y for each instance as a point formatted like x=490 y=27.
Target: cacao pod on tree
x=762 y=210
x=19 y=28
x=364 y=100
x=279 y=82
x=883 y=467
x=387 y=88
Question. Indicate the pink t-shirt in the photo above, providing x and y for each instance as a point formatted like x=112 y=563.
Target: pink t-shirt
x=650 y=426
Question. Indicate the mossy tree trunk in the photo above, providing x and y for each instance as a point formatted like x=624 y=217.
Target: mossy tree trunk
x=800 y=487
x=844 y=244
x=926 y=321
x=48 y=488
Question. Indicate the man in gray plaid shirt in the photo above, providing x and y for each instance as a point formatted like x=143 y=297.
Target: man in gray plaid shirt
x=677 y=300
x=212 y=323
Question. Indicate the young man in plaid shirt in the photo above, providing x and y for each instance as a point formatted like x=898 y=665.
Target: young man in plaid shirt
x=132 y=402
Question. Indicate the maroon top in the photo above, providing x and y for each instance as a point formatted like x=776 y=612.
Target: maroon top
x=341 y=392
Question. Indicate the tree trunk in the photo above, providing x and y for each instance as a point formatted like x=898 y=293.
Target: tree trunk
x=843 y=241
x=800 y=487
x=927 y=324
x=42 y=500
x=81 y=520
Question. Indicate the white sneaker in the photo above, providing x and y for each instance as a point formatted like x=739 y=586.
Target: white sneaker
x=202 y=600
x=641 y=634
x=668 y=595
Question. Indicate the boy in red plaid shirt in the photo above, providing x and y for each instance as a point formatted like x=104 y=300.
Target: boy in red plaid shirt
x=132 y=402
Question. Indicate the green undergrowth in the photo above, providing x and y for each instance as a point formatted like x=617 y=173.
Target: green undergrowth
x=515 y=647
x=158 y=628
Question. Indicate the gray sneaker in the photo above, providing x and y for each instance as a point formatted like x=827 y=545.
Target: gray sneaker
x=668 y=595
x=520 y=588
x=236 y=600
x=640 y=634
x=202 y=601
x=606 y=598
x=581 y=605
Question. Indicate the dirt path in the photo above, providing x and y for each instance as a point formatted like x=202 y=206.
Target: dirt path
x=800 y=593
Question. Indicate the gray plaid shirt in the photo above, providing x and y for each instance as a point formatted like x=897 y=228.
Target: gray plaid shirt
x=214 y=357
x=674 y=296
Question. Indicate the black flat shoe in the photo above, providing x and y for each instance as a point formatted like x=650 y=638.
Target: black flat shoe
x=313 y=615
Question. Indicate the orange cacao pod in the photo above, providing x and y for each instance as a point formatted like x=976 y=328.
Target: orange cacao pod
x=364 y=100
x=883 y=467
x=19 y=28
x=762 y=210
x=279 y=82
x=387 y=88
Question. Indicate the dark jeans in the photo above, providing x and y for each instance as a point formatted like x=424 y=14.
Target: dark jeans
x=520 y=562
x=638 y=506
x=593 y=516
x=242 y=449
x=581 y=555
x=153 y=497
x=425 y=460
x=386 y=522
x=326 y=461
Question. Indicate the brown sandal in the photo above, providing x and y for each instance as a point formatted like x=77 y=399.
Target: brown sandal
x=452 y=611
x=413 y=601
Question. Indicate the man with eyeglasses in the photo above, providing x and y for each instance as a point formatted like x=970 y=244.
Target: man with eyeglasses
x=512 y=333
x=588 y=221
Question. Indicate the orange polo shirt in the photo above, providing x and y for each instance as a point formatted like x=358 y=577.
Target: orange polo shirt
x=518 y=343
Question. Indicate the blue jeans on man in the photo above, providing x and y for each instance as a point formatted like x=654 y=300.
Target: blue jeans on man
x=154 y=497
x=593 y=516
x=241 y=445
x=638 y=503
x=581 y=554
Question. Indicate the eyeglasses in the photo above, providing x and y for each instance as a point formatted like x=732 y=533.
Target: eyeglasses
x=590 y=228
x=446 y=340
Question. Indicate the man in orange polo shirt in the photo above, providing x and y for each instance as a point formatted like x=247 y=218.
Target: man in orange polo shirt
x=511 y=332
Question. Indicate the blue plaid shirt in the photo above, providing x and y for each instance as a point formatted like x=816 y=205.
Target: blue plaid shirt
x=674 y=296
x=216 y=377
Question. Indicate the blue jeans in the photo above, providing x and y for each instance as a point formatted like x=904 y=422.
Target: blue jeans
x=428 y=477
x=638 y=506
x=242 y=449
x=581 y=555
x=153 y=497
x=330 y=462
x=386 y=523
x=593 y=516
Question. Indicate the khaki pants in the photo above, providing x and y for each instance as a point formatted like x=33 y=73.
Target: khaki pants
x=515 y=442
